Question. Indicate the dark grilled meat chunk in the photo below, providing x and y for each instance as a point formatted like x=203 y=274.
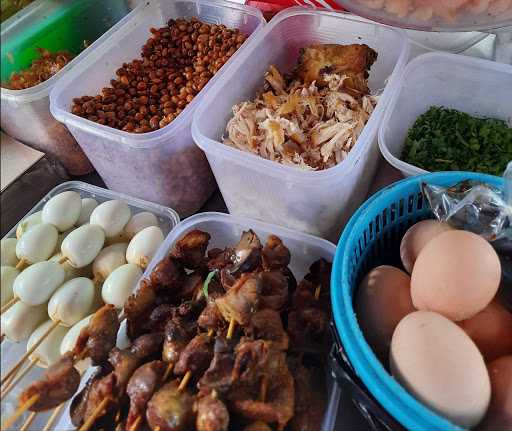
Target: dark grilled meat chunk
x=266 y=324
x=275 y=255
x=190 y=250
x=147 y=345
x=167 y=273
x=178 y=332
x=308 y=329
x=191 y=285
x=219 y=259
x=58 y=384
x=258 y=426
x=138 y=308
x=246 y=254
x=320 y=275
x=124 y=362
x=171 y=409
x=100 y=335
x=274 y=292
x=141 y=387
x=218 y=376
x=159 y=317
x=196 y=356
x=212 y=414
x=211 y=317
x=242 y=299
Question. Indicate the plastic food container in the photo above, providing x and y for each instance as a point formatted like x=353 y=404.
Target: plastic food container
x=314 y=202
x=57 y=26
x=12 y=352
x=479 y=87
x=444 y=41
x=162 y=166
x=472 y=15
x=371 y=238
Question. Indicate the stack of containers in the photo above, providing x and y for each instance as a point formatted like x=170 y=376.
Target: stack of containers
x=162 y=166
x=56 y=26
x=315 y=202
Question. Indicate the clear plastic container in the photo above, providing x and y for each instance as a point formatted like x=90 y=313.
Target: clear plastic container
x=478 y=87
x=435 y=15
x=162 y=166
x=314 y=202
x=444 y=41
x=12 y=352
x=55 y=25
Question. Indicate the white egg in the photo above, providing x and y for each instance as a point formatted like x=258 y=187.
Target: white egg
x=139 y=222
x=144 y=245
x=37 y=283
x=83 y=245
x=60 y=239
x=48 y=352
x=8 y=252
x=63 y=210
x=72 y=301
x=8 y=275
x=19 y=321
x=88 y=205
x=37 y=244
x=112 y=216
x=69 y=342
x=108 y=259
x=120 y=284
x=28 y=223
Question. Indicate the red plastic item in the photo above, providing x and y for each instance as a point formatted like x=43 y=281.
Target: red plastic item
x=271 y=7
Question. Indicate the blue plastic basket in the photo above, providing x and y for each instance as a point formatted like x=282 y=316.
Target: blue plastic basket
x=371 y=238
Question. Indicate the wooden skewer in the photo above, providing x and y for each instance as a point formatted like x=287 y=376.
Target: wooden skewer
x=157 y=428
x=30 y=351
x=263 y=389
x=22 y=264
x=16 y=379
x=231 y=329
x=53 y=416
x=317 y=292
x=28 y=422
x=97 y=411
x=168 y=371
x=184 y=381
x=19 y=411
x=62 y=260
x=8 y=305
x=136 y=424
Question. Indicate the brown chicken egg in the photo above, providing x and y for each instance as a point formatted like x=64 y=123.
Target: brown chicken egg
x=499 y=415
x=417 y=237
x=457 y=274
x=491 y=330
x=437 y=362
x=382 y=300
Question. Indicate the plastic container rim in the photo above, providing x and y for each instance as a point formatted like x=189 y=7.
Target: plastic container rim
x=275 y=169
x=410 y=69
x=383 y=387
x=43 y=89
x=149 y=139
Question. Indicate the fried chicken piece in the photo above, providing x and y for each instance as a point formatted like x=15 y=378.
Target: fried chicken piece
x=171 y=409
x=141 y=387
x=196 y=356
x=242 y=299
x=218 y=376
x=274 y=292
x=275 y=255
x=138 y=308
x=99 y=336
x=190 y=250
x=353 y=61
x=167 y=273
x=266 y=324
x=212 y=414
x=58 y=384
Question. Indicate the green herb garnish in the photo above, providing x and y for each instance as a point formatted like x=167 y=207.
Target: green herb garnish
x=450 y=140
x=207 y=282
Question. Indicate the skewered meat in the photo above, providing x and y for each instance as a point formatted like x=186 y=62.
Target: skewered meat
x=170 y=409
x=275 y=255
x=219 y=259
x=320 y=274
x=307 y=328
x=242 y=299
x=100 y=335
x=266 y=324
x=190 y=250
x=218 y=376
x=211 y=317
x=196 y=356
x=310 y=400
x=59 y=383
x=147 y=345
x=212 y=414
x=247 y=253
x=274 y=292
x=167 y=273
x=138 y=308
x=178 y=332
x=258 y=426
x=191 y=285
x=159 y=317
x=125 y=362
x=141 y=387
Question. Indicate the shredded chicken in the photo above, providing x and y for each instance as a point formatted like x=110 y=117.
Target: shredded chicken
x=308 y=124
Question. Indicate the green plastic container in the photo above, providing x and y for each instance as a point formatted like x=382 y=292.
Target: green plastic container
x=56 y=25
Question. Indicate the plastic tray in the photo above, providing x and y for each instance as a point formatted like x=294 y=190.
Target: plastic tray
x=372 y=237
x=479 y=87
x=54 y=25
x=314 y=202
x=11 y=352
x=162 y=166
